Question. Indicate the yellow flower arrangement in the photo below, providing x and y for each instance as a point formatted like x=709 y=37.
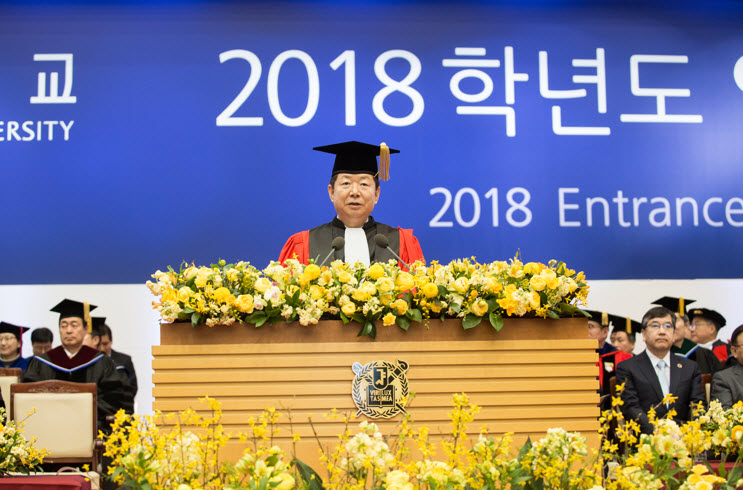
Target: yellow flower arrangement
x=222 y=293
x=17 y=454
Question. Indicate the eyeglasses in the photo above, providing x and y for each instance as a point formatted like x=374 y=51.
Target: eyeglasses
x=656 y=326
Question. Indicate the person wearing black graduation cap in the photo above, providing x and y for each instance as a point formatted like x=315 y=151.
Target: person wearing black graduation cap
x=682 y=346
x=354 y=190
x=609 y=356
x=705 y=324
x=75 y=362
x=11 y=340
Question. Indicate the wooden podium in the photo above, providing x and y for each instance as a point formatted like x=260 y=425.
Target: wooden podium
x=532 y=375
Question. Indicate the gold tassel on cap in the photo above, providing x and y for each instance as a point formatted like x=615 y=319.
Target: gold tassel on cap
x=86 y=316
x=681 y=307
x=629 y=325
x=604 y=319
x=384 y=162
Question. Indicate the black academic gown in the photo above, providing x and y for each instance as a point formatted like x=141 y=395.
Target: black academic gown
x=124 y=362
x=322 y=236
x=705 y=358
x=87 y=366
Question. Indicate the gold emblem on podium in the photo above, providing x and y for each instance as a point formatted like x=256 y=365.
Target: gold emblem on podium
x=379 y=388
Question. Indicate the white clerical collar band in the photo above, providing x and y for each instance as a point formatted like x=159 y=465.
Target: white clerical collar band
x=65 y=370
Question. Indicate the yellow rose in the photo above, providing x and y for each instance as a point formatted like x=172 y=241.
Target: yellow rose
x=388 y=319
x=223 y=295
x=244 y=303
x=316 y=292
x=385 y=285
x=537 y=283
x=400 y=306
x=262 y=285
x=534 y=301
x=531 y=268
x=375 y=272
x=184 y=293
x=326 y=277
x=285 y=481
x=480 y=307
x=361 y=295
x=405 y=281
x=430 y=290
x=349 y=309
x=553 y=283
x=460 y=285
x=435 y=308
x=312 y=271
x=169 y=295
x=344 y=276
x=495 y=286
x=200 y=280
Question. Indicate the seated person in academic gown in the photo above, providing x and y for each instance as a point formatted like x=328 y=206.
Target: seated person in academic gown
x=598 y=329
x=354 y=190
x=10 y=346
x=123 y=361
x=41 y=340
x=705 y=324
x=75 y=362
x=655 y=372
x=608 y=362
x=727 y=385
x=707 y=361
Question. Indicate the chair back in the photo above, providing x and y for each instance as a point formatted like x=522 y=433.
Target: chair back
x=64 y=418
x=8 y=376
x=706 y=386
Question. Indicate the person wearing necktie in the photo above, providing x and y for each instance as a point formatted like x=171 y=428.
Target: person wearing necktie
x=656 y=372
x=354 y=191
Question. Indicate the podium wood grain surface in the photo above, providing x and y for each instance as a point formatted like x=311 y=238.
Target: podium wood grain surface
x=532 y=375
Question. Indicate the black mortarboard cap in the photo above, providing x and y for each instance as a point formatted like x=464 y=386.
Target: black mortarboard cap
x=709 y=315
x=14 y=329
x=625 y=324
x=600 y=317
x=68 y=308
x=353 y=157
x=677 y=305
x=98 y=321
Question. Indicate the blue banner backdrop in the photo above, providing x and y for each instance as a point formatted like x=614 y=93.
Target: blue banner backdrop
x=133 y=137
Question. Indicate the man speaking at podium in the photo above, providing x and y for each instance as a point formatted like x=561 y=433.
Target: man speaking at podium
x=353 y=235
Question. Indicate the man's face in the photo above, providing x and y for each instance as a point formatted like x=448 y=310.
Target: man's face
x=622 y=341
x=8 y=345
x=658 y=335
x=354 y=197
x=682 y=330
x=72 y=333
x=702 y=330
x=596 y=331
x=105 y=345
x=41 y=347
x=736 y=348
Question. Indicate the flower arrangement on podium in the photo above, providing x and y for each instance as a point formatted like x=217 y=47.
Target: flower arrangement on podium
x=17 y=454
x=222 y=294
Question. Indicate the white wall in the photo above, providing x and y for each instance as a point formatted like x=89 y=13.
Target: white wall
x=136 y=329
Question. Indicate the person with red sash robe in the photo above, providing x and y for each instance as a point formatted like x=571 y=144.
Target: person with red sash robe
x=705 y=324
x=78 y=363
x=354 y=190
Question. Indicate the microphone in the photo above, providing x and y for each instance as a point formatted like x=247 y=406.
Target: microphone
x=383 y=242
x=338 y=243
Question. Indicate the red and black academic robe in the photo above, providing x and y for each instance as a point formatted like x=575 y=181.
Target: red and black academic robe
x=607 y=370
x=87 y=366
x=316 y=243
x=722 y=351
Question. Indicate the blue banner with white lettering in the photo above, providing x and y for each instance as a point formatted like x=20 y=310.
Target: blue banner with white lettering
x=137 y=136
